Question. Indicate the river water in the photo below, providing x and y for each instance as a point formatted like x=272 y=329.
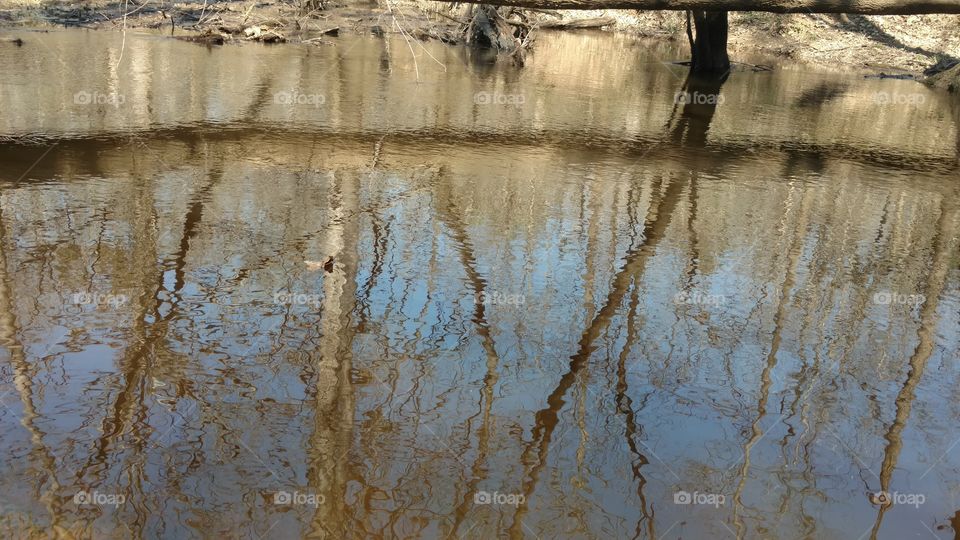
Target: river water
x=349 y=292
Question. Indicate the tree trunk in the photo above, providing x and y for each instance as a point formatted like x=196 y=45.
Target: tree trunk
x=708 y=55
x=488 y=28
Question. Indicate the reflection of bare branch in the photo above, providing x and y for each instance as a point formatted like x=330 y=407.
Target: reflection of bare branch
x=658 y=219
x=448 y=212
x=23 y=381
x=766 y=381
x=381 y=238
x=695 y=262
x=625 y=407
x=865 y=290
x=148 y=335
x=800 y=404
x=943 y=247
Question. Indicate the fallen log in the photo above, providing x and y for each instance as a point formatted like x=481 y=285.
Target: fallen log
x=596 y=22
x=549 y=12
x=862 y=7
x=204 y=39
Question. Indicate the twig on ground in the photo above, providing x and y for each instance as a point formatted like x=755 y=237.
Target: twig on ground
x=202 y=11
x=452 y=18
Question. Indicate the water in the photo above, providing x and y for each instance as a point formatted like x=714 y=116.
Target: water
x=559 y=304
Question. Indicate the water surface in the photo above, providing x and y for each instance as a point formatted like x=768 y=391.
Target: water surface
x=560 y=303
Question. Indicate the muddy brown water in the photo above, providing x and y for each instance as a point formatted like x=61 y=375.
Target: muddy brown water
x=562 y=302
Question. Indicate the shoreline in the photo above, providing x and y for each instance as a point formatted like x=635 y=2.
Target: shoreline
x=891 y=45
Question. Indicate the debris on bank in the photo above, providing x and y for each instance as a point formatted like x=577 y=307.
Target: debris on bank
x=506 y=30
x=900 y=76
x=905 y=43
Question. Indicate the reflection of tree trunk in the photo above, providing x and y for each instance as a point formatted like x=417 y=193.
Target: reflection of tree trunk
x=590 y=267
x=806 y=381
x=589 y=277
x=865 y=290
x=699 y=99
x=766 y=380
x=810 y=374
x=695 y=262
x=658 y=219
x=955 y=106
x=943 y=248
x=131 y=363
x=334 y=413
x=381 y=238
x=191 y=226
x=130 y=401
x=448 y=212
x=23 y=381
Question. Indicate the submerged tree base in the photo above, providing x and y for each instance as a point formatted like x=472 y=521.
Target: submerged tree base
x=489 y=28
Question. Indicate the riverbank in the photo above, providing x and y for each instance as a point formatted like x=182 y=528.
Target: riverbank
x=908 y=44
x=892 y=44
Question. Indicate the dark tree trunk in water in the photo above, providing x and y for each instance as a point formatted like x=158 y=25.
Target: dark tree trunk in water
x=488 y=28
x=709 y=47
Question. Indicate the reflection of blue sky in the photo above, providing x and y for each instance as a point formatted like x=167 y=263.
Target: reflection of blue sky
x=549 y=224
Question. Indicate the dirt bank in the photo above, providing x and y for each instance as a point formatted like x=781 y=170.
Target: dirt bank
x=901 y=43
x=894 y=44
